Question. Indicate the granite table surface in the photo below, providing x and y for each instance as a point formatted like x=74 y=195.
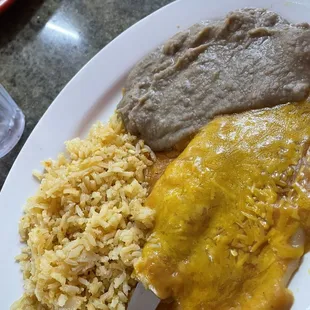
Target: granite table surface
x=44 y=43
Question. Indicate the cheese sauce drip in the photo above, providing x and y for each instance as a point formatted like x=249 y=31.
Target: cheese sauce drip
x=232 y=212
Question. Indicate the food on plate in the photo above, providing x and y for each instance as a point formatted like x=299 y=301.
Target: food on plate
x=85 y=226
x=233 y=213
x=251 y=59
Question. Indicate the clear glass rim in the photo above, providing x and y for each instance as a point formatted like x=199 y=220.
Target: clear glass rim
x=14 y=132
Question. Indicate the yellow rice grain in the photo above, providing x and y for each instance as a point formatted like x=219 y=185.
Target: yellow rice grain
x=85 y=227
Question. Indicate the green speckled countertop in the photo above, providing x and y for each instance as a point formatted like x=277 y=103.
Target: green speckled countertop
x=43 y=44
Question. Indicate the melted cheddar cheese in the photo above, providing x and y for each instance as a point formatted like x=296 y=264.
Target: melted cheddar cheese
x=232 y=211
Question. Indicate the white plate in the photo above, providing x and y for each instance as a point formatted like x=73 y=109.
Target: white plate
x=93 y=94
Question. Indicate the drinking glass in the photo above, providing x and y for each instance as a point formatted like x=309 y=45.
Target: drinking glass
x=12 y=122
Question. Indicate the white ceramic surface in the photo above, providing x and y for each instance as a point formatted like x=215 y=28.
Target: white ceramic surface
x=92 y=95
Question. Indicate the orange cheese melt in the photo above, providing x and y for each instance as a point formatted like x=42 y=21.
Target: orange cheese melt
x=232 y=212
